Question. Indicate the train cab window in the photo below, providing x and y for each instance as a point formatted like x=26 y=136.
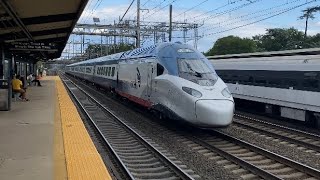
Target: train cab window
x=112 y=72
x=160 y=69
x=109 y=71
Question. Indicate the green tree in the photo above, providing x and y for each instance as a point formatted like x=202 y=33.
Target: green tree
x=232 y=45
x=279 y=39
x=312 y=41
x=309 y=14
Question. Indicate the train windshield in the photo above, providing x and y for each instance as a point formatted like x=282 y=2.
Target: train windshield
x=197 y=71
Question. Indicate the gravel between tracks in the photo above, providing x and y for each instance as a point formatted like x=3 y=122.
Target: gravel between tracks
x=276 y=145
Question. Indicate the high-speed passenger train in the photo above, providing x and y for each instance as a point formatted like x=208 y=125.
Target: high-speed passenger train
x=173 y=79
x=280 y=83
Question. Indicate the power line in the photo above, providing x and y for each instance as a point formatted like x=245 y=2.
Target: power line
x=246 y=15
x=93 y=9
x=247 y=24
x=229 y=11
x=220 y=7
x=154 y=7
x=161 y=8
x=145 y=3
x=126 y=11
x=86 y=12
x=191 y=8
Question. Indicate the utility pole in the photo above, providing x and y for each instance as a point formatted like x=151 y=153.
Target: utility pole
x=138 y=24
x=101 y=45
x=195 y=45
x=73 y=54
x=170 y=22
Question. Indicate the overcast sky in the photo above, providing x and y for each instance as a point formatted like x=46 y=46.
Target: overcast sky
x=219 y=18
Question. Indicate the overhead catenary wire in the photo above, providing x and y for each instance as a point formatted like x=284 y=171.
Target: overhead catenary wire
x=218 y=24
x=271 y=16
x=229 y=11
x=161 y=8
x=145 y=3
x=220 y=7
x=127 y=10
x=199 y=4
x=95 y=7
x=87 y=9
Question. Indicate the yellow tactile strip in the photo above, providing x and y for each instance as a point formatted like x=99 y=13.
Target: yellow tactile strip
x=82 y=159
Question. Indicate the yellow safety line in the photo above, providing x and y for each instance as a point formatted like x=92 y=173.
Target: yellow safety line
x=82 y=158
x=60 y=169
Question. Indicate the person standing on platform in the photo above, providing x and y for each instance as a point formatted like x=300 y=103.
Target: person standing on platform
x=17 y=87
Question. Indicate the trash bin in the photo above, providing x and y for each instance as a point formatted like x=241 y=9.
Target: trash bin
x=4 y=93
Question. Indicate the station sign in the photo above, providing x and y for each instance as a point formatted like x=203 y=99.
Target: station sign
x=32 y=46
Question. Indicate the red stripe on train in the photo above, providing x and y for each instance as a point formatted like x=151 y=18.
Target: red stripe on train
x=135 y=99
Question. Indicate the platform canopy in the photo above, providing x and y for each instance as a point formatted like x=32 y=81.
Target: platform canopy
x=38 y=29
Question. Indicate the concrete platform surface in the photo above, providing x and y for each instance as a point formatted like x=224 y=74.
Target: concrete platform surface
x=45 y=138
x=27 y=135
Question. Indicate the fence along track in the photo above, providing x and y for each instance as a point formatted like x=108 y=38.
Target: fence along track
x=139 y=158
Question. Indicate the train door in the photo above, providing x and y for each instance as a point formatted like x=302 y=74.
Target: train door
x=150 y=77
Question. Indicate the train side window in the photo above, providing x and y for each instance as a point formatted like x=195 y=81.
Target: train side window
x=105 y=72
x=109 y=71
x=261 y=81
x=112 y=73
x=160 y=69
x=310 y=83
x=274 y=82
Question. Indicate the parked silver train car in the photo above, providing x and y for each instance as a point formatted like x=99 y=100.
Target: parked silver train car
x=172 y=78
x=285 y=83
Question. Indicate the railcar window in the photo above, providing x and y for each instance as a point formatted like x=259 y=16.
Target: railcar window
x=274 y=82
x=108 y=71
x=290 y=83
x=261 y=81
x=310 y=83
x=88 y=70
x=112 y=72
x=251 y=79
x=105 y=72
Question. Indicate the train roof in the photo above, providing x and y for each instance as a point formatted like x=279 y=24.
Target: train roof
x=310 y=51
x=150 y=51
x=139 y=52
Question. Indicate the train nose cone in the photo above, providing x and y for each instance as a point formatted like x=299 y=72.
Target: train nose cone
x=214 y=112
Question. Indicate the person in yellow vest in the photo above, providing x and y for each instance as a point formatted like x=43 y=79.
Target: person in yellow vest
x=18 y=87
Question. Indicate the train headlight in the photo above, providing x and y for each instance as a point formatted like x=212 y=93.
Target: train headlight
x=192 y=92
x=226 y=93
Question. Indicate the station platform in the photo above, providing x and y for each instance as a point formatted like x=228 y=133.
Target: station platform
x=44 y=138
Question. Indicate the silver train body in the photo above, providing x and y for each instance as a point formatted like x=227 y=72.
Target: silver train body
x=171 y=78
x=287 y=83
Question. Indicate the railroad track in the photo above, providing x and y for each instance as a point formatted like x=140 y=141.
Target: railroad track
x=241 y=158
x=258 y=161
x=138 y=156
x=300 y=138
